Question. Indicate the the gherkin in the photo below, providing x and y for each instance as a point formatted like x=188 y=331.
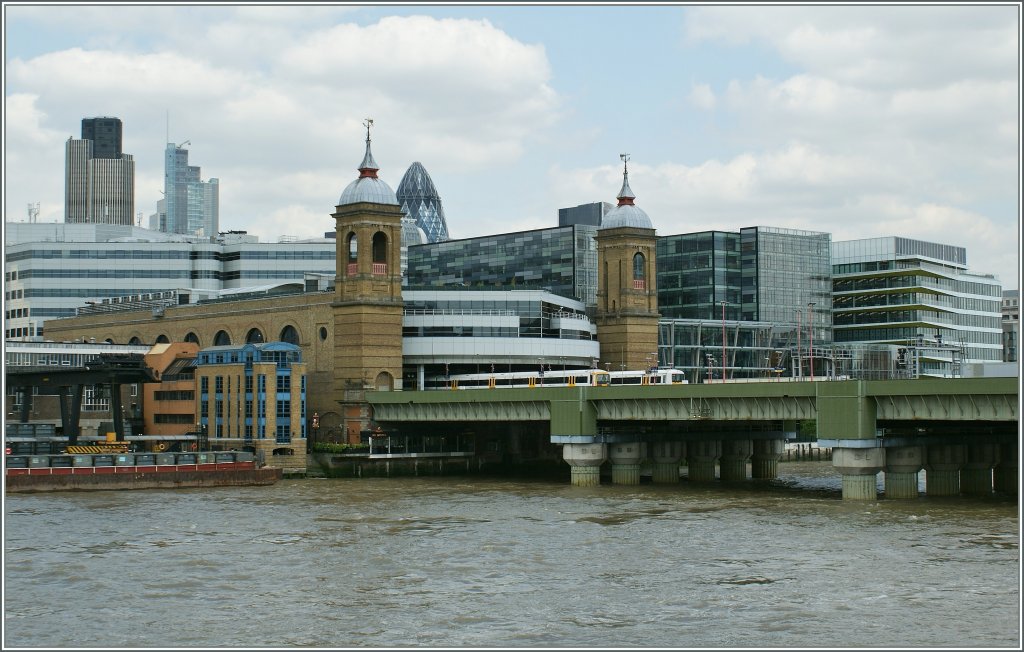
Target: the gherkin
x=419 y=200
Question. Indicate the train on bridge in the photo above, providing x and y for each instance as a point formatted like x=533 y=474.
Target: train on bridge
x=564 y=378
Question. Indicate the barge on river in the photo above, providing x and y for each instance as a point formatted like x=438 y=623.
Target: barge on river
x=124 y=470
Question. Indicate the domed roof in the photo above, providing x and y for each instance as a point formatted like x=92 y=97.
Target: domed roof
x=626 y=213
x=368 y=188
x=412 y=234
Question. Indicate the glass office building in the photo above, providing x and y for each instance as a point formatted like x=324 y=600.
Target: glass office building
x=786 y=278
x=770 y=281
x=751 y=349
x=478 y=331
x=562 y=260
x=52 y=271
x=902 y=291
x=191 y=204
x=696 y=272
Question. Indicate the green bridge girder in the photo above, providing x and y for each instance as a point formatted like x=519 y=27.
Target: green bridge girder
x=844 y=410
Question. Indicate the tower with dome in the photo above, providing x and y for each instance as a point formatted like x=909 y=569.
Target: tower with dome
x=627 y=296
x=368 y=292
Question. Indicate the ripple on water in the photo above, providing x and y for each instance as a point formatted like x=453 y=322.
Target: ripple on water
x=455 y=563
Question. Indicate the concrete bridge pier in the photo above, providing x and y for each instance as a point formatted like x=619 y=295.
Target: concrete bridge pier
x=859 y=468
x=626 y=458
x=764 y=463
x=585 y=461
x=942 y=469
x=735 y=455
x=665 y=457
x=902 y=464
x=976 y=475
x=700 y=459
x=1005 y=474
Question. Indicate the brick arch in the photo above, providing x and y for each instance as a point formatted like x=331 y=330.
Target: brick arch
x=299 y=336
x=226 y=332
x=380 y=247
x=255 y=336
x=384 y=382
x=269 y=331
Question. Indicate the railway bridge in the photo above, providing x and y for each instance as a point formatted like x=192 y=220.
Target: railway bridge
x=963 y=432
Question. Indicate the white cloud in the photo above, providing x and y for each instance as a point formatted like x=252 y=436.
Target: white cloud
x=919 y=105
x=459 y=94
x=702 y=96
x=884 y=117
x=795 y=186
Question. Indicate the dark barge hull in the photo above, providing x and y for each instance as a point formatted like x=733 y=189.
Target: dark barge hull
x=139 y=477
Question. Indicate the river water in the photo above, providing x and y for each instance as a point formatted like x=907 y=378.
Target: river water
x=485 y=562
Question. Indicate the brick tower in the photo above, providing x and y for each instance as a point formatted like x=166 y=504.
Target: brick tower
x=627 y=297
x=368 y=294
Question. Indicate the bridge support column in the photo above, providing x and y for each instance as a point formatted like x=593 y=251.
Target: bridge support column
x=902 y=464
x=764 y=463
x=942 y=469
x=859 y=468
x=585 y=461
x=700 y=459
x=1005 y=474
x=735 y=455
x=976 y=476
x=626 y=458
x=665 y=456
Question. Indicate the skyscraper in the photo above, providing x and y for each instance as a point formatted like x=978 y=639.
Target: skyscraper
x=192 y=205
x=99 y=179
x=105 y=134
x=591 y=214
x=419 y=200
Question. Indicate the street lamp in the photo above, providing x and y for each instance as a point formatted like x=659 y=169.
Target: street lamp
x=723 y=340
x=810 y=329
x=799 y=356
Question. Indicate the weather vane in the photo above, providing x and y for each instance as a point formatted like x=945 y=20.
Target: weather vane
x=625 y=159
x=368 y=123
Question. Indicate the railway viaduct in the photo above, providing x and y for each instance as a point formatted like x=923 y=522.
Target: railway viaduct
x=963 y=432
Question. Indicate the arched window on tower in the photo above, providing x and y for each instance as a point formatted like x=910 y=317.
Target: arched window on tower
x=380 y=254
x=639 y=272
x=353 y=255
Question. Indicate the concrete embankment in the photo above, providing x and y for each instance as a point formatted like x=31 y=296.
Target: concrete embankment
x=362 y=466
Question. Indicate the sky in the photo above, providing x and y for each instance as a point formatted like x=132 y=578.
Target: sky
x=862 y=121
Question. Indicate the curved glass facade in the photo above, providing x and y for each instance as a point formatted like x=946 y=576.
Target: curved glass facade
x=419 y=200
x=897 y=290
